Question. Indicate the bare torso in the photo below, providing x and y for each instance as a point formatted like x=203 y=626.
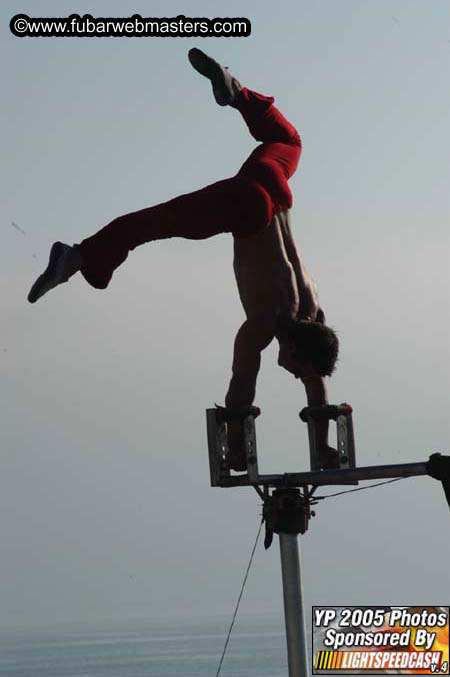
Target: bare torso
x=270 y=277
x=272 y=283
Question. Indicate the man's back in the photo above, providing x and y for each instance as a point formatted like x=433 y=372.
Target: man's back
x=264 y=274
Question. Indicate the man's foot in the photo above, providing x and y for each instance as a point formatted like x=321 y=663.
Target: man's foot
x=225 y=86
x=64 y=261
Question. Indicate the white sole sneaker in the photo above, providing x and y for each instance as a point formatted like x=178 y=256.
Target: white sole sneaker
x=220 y=78
x=54 y=274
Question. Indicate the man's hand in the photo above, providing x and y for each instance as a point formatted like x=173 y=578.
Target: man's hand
x=237 y=459
x=328 y=457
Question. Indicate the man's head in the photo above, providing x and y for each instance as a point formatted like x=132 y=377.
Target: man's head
x=307 y=348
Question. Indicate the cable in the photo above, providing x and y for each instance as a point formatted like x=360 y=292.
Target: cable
x=316 y=498
x=239 y=599
x=371 y=486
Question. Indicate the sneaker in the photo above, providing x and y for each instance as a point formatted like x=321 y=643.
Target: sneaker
x=57 y=271
x=224 y=85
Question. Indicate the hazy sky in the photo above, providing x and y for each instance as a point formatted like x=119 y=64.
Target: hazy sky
x=105 y=505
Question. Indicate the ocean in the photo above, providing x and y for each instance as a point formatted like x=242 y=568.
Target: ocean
x=159 y=649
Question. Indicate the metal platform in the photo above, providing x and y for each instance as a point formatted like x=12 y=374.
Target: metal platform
x=345 y=472
x=287 y=508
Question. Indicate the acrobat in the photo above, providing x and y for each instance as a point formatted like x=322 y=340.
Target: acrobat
x=278 y=296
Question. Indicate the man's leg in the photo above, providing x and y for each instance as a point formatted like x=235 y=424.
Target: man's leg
x=199 y=215
x=273 y=162
x=242 y=204
x=196 y=216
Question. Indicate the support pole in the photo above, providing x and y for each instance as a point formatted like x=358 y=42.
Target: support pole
x=286 y=513
x=293 y=605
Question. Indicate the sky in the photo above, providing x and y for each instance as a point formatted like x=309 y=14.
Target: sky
x=105 y=506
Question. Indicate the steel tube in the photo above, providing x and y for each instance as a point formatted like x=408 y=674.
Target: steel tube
x=324 y=477
x=293 y=606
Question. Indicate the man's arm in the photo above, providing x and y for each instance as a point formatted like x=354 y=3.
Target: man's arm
x=254 y=335
x=252 y=338
x=316 y=394
x=309 y=304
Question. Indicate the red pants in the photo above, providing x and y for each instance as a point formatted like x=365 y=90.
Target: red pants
x=240 y=205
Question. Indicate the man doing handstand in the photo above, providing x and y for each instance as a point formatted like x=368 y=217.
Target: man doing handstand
x=279 y=298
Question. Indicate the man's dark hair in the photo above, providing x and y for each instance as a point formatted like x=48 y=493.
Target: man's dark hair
x=315 y=342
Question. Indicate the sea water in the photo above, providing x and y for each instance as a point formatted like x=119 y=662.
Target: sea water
x=191 y=648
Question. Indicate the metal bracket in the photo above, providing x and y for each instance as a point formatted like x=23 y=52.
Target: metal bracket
x=342 y=414
x=286 y=511
x=221 y=463
x=216 y=422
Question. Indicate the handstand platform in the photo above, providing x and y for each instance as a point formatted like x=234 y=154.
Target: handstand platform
x=288 y=498
x=347 y=473
x=222 y=476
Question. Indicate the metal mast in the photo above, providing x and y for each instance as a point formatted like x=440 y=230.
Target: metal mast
x=287 y=510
